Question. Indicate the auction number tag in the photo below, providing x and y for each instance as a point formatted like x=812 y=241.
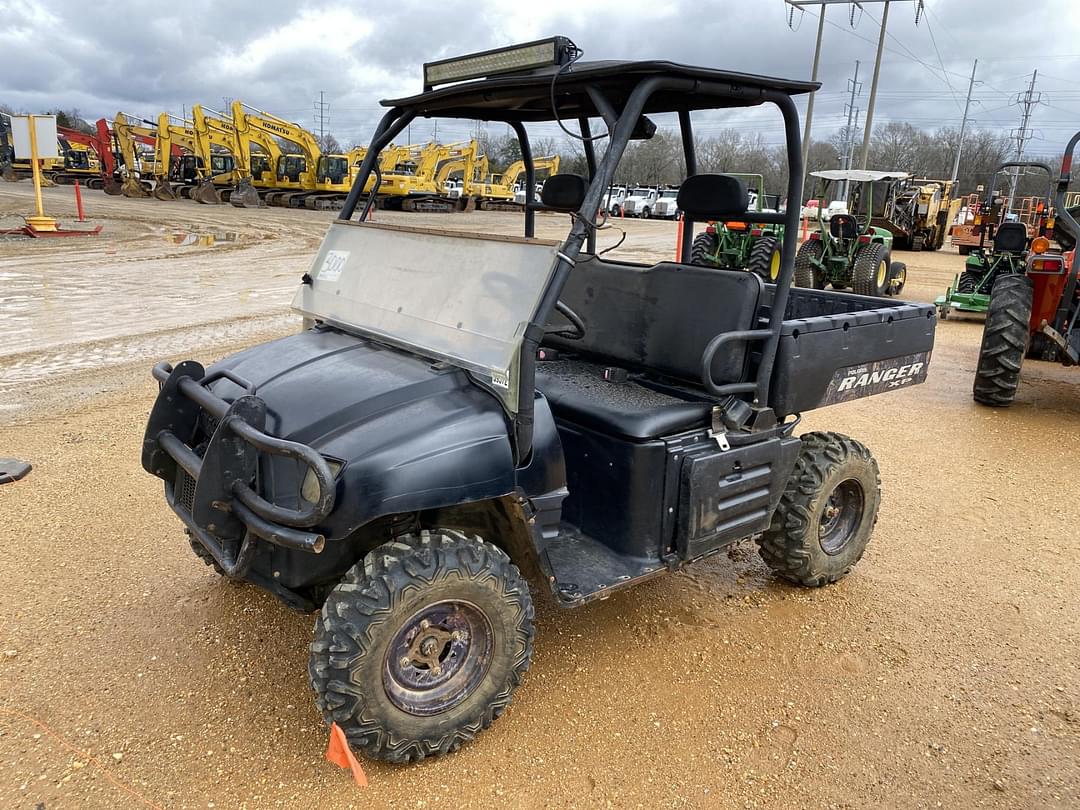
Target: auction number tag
x=332 y=265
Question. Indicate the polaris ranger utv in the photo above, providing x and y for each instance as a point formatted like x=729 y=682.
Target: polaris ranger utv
x=464 y=407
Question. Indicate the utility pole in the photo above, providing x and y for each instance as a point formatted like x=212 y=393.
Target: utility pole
x=810 y=101
x=963 y=126
x=849 y=131
x=873 y=87
x=322 y=117
x=1028 y=101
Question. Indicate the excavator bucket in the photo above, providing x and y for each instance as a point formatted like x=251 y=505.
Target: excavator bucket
x=164 y=191
x=111 y=187
x=205 y=193
x=245 y=195
x=8 y=173
x=133 y=188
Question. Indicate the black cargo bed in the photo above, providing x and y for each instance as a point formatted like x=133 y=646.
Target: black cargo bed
x=837 y=346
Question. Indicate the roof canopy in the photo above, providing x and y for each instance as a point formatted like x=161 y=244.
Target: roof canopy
x=527 y=96
x=859 y=175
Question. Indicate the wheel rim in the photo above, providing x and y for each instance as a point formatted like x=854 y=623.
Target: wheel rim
x=841 y=516
x=882 y=272
x=438 y=657
x=774 y=266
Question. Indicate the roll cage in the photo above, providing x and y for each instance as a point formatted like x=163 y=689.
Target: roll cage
x=620 y=94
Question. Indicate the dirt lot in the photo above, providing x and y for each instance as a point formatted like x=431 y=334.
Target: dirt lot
x=942 y=673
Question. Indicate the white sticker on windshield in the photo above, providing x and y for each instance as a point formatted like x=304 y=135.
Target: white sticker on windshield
x=332 y=265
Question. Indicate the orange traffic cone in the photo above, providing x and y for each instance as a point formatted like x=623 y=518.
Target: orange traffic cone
x=338 y=752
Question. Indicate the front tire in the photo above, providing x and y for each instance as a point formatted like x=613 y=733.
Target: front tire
x=765 y=258
x=1004 y=342
x=827 y=513
x=421 y=645
x=645 y=212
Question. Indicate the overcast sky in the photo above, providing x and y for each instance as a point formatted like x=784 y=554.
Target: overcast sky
x=142 y=58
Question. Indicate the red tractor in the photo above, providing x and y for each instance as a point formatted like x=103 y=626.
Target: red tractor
x=1034 y=313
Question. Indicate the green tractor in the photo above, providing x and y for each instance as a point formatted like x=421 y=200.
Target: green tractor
x=846 y=250
x=740 y=245
x=1002 y=250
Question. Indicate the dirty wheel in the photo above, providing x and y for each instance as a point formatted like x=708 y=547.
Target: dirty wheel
x=827 y=512
x=703 y=251
x=765 y=258
x=968 y=282
x=870 y=273
x=204 y=555
x=1004 y=342
x=421 y=645
x=645 y=212
x=897 y=277
x=807 y=274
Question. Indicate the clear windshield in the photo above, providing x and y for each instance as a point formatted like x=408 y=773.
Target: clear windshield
x=641 y=192
x=462 y=298
x=670 y=195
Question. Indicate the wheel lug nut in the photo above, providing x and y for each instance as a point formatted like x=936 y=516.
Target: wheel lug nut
x=405 y=662
x=424 y=624
x=436 y=671
x=456 y=635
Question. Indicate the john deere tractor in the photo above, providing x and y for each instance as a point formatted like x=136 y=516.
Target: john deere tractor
x=1002 y=250
x=846 y=250
x=754 y=247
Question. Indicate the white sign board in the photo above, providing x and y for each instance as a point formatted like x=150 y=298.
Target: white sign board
x=44 y=132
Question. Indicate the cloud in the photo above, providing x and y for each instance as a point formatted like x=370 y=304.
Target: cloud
x=147 y=57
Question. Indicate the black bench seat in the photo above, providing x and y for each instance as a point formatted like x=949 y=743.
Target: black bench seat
x=578 y=393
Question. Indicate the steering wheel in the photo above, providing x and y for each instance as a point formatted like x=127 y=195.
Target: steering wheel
x=577 y=330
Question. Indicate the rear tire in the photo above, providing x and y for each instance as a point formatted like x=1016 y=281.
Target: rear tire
x=870 y=271
x=703 y=250
x=1004 y=342
x=827 y=513
x=765 y=258
x=967 y=282
x=421 y=645
x=897 y=278
x=808 y=274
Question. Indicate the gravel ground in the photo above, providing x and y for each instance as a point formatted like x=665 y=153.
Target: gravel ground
x=941 y=673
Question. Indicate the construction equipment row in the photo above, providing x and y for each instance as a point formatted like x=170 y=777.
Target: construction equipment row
x=250 y=158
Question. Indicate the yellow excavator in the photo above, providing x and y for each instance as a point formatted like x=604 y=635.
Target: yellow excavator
x=412 y=185
x=234 y=186
x=498 y=192
x=138 y=168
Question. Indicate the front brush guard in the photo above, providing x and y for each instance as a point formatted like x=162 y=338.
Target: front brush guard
x=225 y=511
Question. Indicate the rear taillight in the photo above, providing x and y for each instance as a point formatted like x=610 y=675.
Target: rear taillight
x=1050 y=265
x=864 y=239
x=756 y=232
x=710 y=229
x=815 y=236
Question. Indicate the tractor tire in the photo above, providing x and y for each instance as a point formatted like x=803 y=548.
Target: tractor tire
x=967 y=282
x=897 y=277
x=1004 y=342
x=703 y=250
x=807 y=274
x=765 y=258
x=827 y=513
x=421 y=645
x=870 y=271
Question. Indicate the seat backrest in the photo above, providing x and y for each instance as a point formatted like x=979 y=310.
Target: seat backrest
x=843 y=226
x=704 y=197
x=1010 y=237
x=564 y=192
x=661 y=318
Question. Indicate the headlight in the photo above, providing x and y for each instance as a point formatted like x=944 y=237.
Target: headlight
x=309 y=490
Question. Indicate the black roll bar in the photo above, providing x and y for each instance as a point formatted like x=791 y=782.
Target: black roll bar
x=1071 y=227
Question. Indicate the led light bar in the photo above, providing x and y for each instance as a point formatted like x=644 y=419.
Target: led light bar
x=517 y=58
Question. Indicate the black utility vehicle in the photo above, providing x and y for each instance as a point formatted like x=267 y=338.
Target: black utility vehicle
x=464 y=407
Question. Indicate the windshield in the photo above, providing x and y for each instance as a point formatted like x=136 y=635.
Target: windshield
x=290 y=166
x=641 y=192
x=333 y=168
x=460 y=297
x=671 y=194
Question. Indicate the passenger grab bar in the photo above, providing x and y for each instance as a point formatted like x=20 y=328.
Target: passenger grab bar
x=707 y=357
